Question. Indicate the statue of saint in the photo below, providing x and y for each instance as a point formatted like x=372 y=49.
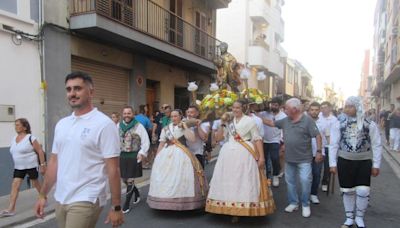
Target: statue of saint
x=227 y=69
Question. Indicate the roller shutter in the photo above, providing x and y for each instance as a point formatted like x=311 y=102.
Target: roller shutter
x=111 y=84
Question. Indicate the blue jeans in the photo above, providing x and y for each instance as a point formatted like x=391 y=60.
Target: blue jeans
x=271 y=154
x=303 y=170
x=316 y=176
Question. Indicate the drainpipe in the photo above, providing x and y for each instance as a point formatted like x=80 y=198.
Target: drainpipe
x=43 y=84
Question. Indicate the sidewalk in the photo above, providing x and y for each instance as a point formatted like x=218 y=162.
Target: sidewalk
x=27 y=199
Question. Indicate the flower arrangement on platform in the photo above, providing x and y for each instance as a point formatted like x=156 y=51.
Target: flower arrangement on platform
x=219 y=101
x=254 y=95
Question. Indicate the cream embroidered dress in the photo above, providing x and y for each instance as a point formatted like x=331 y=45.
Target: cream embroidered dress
x=177 y=181
x=238 y=187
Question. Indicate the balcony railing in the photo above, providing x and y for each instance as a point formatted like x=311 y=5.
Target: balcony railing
x=152 y=19
x=260 y=43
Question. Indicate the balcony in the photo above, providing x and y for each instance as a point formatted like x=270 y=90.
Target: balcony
x=218 y=4
x=259 y=11
x=258 y=56
x=145 y=27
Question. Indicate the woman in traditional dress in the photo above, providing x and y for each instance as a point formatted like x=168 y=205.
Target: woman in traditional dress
x=239 y=186
x=177 y=179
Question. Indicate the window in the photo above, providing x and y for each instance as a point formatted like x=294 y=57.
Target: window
x=9 y=6
x=201 y=34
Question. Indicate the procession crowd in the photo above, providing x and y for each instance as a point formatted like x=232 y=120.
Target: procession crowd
x=258 y=144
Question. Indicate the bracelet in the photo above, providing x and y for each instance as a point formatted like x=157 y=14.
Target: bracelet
x=43 y=164
x=42 y=196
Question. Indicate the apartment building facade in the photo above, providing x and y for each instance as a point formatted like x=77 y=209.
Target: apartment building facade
x=137 y=51
x=386 y=59
x=297 y=81
x=21 y=93
x=254 y=30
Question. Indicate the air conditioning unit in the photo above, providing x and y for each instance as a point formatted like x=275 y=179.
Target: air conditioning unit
x=7 y=113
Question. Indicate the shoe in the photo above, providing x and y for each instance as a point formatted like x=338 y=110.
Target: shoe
x=137 y=195
x=324 y=188
x=314 y=199
x=281 y=175
x=7 y=213
x=346 y=226
x=275 y=181
x=126 y=209
x=306 y=211
x=291 y=207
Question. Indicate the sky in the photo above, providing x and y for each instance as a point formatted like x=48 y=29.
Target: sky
x=329 y=37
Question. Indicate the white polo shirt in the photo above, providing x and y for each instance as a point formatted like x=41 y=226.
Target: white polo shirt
x=81 y=144
x=197 y=147
x=327 y=123
x=272 y=134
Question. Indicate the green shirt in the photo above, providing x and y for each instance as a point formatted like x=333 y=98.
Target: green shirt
x=165 y=120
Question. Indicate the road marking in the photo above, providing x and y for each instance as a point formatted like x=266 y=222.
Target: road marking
x=37 y=221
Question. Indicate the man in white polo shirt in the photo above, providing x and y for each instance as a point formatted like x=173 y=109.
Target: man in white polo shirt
x=200 y=132
x=85 y=155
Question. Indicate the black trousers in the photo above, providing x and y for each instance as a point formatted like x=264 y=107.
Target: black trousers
x=326 y=176
x=201 y=159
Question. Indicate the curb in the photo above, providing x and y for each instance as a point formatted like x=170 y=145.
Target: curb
x=391 y=155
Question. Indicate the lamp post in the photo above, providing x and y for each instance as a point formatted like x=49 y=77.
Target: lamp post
x=244 y=76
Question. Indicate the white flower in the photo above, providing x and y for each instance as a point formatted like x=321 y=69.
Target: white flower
x=192 y=86
x=213 y=87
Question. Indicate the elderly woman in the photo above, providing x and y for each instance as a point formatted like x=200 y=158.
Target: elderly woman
x=177 y=180
x=239 y=186
x=355 y=154
x=25 y=151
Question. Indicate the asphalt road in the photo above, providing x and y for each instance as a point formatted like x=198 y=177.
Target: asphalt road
x=384 y=210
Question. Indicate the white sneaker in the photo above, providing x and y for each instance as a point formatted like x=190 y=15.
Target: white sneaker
x=306 y=212
x=281 y=174
x=275 y=181
x=291 y=207
x=324 y=188
x=314 y=199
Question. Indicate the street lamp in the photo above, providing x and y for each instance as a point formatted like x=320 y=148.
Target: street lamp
x=244 y=76
x=214 y=87
x=192 y=87
x=261 y=76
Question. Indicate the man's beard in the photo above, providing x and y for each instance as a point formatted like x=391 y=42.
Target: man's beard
x=128 y=120
x=274 y=109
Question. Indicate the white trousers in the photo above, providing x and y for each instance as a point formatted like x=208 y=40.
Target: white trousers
x=395 y=138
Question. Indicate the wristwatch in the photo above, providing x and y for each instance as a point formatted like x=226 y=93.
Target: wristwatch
x=116 y=208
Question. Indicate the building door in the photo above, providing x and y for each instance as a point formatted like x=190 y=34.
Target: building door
x=182 y=98
x=111 y=84
x=176 y=23
x=151 y=95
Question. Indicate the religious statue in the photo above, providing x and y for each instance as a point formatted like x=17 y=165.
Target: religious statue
x=227 y=69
